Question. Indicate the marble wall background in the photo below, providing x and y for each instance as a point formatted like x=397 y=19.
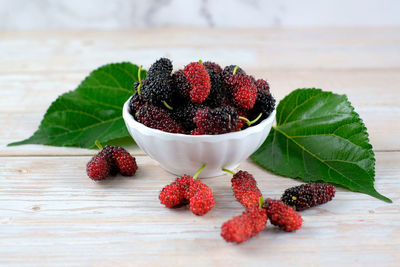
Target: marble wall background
x=115 y=14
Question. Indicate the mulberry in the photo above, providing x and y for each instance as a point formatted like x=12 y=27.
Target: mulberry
x=264 y=105
x=244 y=91
x=182 y=85
x=213 y=66
x=227 y=73
x=217 y=95
x=197 y=131
x=109 y=161
x=199 y=80
x=308 y=195
x=184 y=115
x=201 y=198
x=245 y=189
x=135 y=103
x=171 y=195
x=98 y=168
x=282 y=215
x=124 y=162
x=244 y=226
x=262 y=85
x=217 y=121
x=187 y=189
x=156 y=88
x=158 y=118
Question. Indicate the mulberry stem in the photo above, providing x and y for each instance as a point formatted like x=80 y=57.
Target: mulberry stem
x=139 y=73
x=249 y=123
x=261 y=202
x=229 y=171
x=235 y=69
x=199 y=171
x=98 y=144
x=168 y=106
x=140 y=79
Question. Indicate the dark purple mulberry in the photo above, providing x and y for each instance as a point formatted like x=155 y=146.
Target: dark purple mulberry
x=262 y=85
x=265 y=104
x=308 y=195
x=156 y=87
x=158 y=118
x=184 y=115
x=216 y=121
x=213 y=66
x=217 y=95
x=181 y=85
x=135 y=103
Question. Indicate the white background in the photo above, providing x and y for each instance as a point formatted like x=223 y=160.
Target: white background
x=120 y=14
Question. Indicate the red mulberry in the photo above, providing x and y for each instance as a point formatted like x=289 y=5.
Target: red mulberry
x=109 y=161
x=199 y=81
x=187 y=189
x=282 y=215
x=244 y=91
x=244 y=226
x=245 y=189
x=201 y=198
x=98 y=168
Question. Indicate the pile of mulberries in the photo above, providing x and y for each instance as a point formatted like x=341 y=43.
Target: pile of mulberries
x=202 y=98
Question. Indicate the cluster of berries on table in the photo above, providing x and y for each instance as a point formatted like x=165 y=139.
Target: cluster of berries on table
x=281 y=213
x=110 y=161
x=202 y=98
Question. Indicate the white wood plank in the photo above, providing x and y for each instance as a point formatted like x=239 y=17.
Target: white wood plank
x=51 y=213
x=284 y=49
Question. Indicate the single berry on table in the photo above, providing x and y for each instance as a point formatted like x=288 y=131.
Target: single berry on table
x=245 y=189
x=308 y=195
x=98 y=168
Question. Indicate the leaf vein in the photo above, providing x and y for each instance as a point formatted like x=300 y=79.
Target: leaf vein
x=323 y=161
x=297 y=106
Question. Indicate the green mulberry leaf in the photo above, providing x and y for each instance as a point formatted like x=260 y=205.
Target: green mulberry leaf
x=93 y=111
x=319 y=137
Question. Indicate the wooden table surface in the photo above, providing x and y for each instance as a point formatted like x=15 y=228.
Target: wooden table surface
x=52 y=214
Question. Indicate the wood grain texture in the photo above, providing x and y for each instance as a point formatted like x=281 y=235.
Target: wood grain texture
x=52 y=214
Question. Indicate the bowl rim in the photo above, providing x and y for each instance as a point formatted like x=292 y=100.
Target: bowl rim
x=129 y=119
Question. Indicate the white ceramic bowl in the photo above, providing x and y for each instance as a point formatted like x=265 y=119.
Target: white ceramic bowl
x=185 y=154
